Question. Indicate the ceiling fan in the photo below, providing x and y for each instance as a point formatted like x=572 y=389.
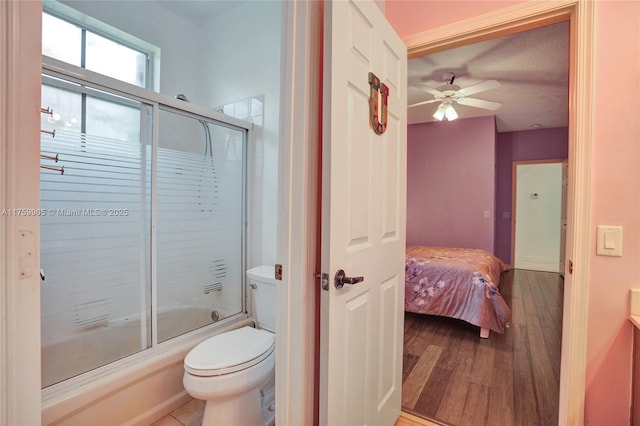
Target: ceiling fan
x=450 y=93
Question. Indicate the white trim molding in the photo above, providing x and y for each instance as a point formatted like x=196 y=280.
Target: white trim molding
x=20 y=64
x=581 y=102
x=521 y=17
x=296 y=350
x=513 y=19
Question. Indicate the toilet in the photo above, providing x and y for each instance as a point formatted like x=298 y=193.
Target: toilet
x=234 y=372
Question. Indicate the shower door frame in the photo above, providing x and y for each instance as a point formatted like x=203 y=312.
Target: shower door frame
x=156 y=101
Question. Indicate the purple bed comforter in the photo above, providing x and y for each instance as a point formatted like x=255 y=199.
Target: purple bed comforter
x=457 y=283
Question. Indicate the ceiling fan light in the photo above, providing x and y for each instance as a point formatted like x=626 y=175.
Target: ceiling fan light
x=450 y=112
x=439 y=114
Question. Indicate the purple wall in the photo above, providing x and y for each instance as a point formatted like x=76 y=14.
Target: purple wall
x=530 y=145
x=452 y=180
x=450 y=183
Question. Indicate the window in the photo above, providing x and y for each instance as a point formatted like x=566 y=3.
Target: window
x=102 y=49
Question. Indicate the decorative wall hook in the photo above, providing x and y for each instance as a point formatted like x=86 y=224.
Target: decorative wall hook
x=55 y=169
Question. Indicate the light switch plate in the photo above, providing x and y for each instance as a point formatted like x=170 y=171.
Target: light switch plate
x=609 y=240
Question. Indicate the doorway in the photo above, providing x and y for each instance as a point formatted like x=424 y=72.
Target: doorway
x=449 y=136
x=537 y=215
x=520 y=18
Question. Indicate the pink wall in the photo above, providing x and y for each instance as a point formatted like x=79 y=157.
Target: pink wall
x=410 y=17
x=616 y=201
x=450 y=183
x=529 y=145
x=615 y=186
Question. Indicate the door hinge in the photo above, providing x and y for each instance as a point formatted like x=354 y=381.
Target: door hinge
x=324 y=280
x=570 y=267
x=27 y=254
x=278 y=272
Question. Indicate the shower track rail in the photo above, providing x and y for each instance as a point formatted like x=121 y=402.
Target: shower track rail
x=57 y=68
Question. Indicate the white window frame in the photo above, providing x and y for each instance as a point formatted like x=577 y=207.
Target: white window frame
x=72 y=16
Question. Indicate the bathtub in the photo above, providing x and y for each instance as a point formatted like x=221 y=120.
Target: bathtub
x=136 y=390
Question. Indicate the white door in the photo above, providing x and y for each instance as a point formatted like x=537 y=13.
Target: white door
x=363 y=219
x=538 y=216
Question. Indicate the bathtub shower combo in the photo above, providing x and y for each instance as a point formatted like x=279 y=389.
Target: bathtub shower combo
x=142 y=236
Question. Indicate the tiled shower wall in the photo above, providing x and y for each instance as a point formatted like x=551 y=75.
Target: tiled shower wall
x=252 y=110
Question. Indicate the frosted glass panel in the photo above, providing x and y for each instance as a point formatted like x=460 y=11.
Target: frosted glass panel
x=113 y=121
x=68 y=108
x=199 y=223
x=95 y=239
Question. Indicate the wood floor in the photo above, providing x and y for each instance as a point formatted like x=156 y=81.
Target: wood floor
x=452 y=376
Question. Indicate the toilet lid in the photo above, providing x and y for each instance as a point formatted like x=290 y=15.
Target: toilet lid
x=229 y=352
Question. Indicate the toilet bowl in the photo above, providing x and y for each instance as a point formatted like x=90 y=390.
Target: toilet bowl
x=232 y=371
x=228 y=371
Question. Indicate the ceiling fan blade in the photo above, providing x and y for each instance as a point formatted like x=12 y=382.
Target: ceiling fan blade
x=423 y=103
x=480 y=87
x=479 y=103
x=428 y=89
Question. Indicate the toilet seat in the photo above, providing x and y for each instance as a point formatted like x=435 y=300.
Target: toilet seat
x=230 y=352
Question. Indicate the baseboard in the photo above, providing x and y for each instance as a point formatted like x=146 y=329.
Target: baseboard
x=406 y=418
x=541 y=265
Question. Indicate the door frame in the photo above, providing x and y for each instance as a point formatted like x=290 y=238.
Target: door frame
x=298 y=198
x=297 y=296
x=521 y=17
x=514 y=192
x=20 y=66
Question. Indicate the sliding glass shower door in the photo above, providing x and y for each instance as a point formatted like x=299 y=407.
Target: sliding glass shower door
x=95 y=229
x=199 y=215
x=142 y=225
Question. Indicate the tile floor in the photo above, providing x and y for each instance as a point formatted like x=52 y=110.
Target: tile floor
x=189 y=414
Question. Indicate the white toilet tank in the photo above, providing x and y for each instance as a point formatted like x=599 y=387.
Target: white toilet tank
x=263 y=284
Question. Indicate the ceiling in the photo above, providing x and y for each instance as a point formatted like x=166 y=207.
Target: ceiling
x=200 y=12
x=532 y=67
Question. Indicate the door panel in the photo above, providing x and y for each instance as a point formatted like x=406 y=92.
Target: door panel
x=363 y=219
x=394 y=159
x=390 y=332
x=357 y=171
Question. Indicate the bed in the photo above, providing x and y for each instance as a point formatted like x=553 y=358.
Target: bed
x=458 y=283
